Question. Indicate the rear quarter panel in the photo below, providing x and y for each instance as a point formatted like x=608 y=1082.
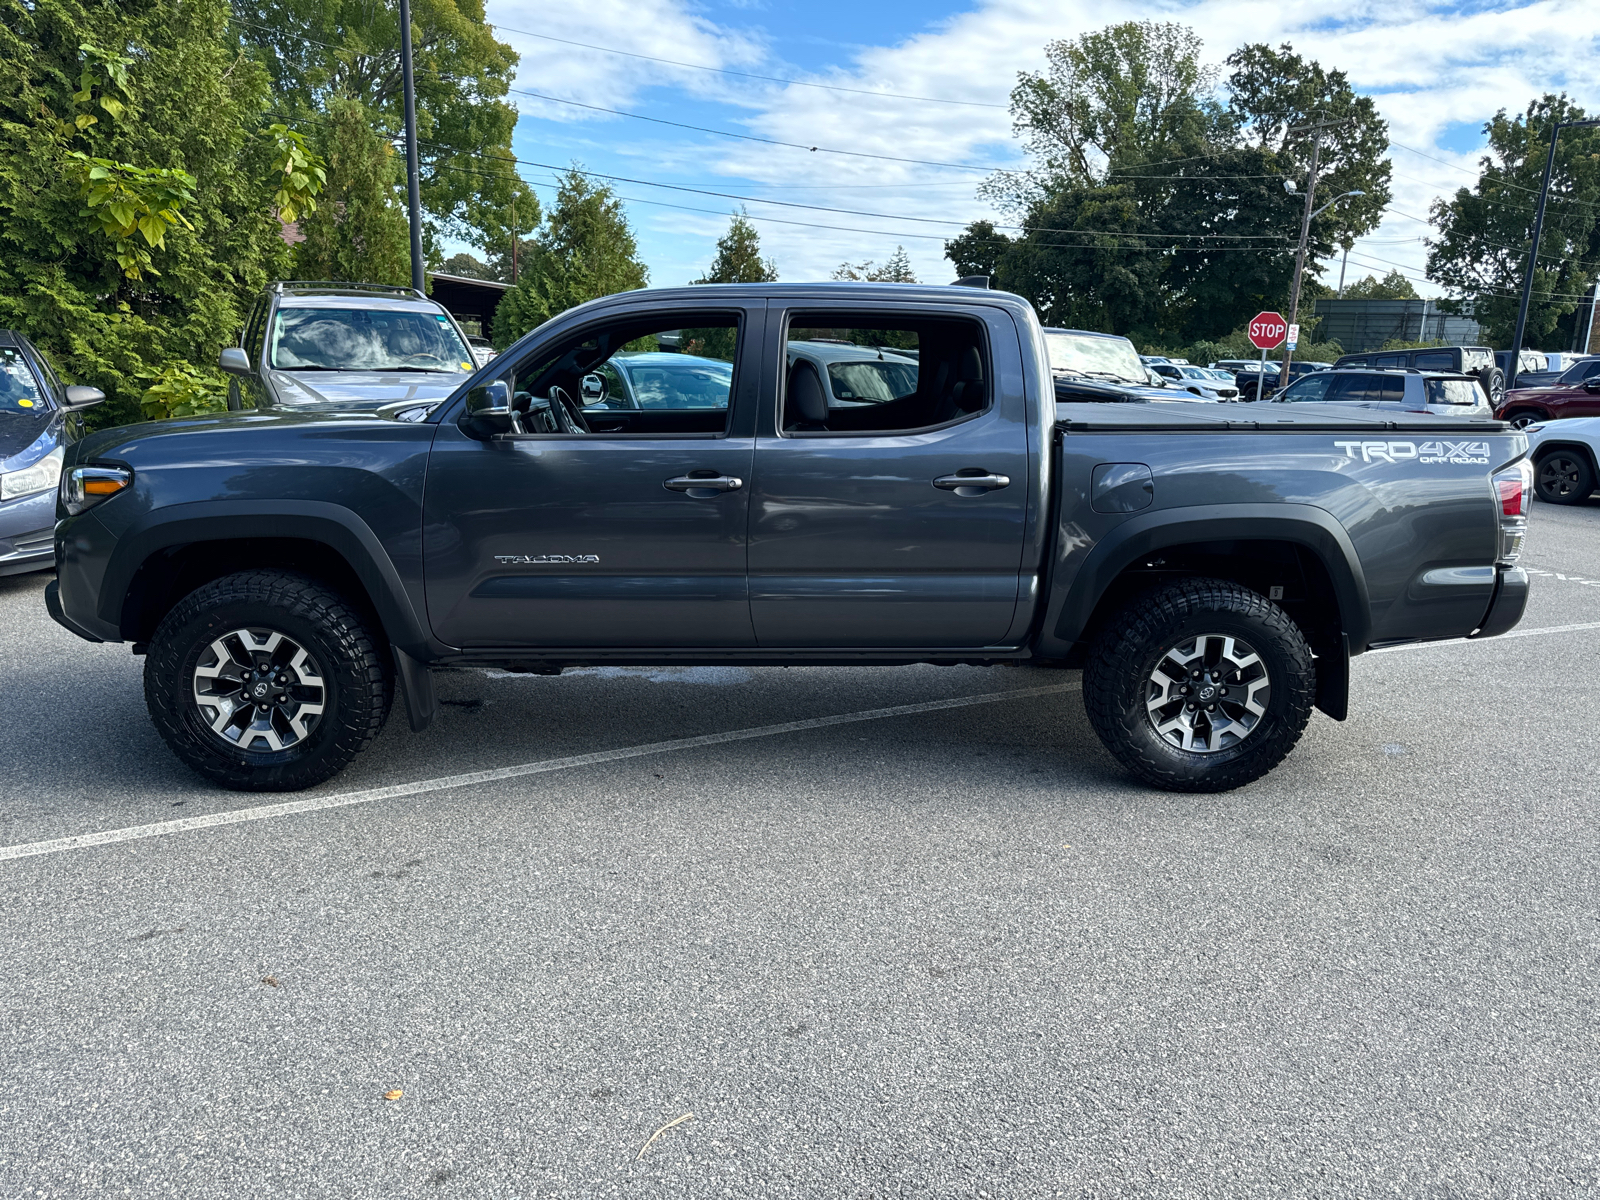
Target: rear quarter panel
x=1402 y=507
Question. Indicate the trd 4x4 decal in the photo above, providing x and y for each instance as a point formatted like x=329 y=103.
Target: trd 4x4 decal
x=1465 y=454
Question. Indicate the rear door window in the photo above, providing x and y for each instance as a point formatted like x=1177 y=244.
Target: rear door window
x=1452 y=391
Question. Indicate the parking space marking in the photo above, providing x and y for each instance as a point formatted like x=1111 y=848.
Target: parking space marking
x=1512 y=633
x=262 y=812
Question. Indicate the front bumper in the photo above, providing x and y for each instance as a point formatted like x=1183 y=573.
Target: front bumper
x=1509 y=602
x=52 y=603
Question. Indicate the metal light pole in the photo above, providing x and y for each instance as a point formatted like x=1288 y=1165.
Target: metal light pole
x=1533 y=251
x=413 y=179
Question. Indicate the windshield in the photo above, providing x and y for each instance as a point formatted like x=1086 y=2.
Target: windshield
x=19 y=390
x=872 y=382
x=361 y=339
x=1087 y=354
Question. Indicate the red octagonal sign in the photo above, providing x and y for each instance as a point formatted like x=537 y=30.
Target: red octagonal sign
x=1267 y=330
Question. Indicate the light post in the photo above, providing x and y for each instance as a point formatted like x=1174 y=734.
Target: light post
x=1300 y=253
x=1533 y=251
x=413 y=180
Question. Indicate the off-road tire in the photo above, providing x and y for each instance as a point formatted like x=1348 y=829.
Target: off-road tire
x=1563 y=477
x=1134 y=642
x=356 y=675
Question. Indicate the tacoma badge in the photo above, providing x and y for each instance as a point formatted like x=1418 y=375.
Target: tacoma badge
x=547 y=558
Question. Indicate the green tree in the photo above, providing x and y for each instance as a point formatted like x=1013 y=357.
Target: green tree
x=468 y=266
x=1130 y=93
x=1485 y=230
x=977 y=249
x=584 y=250
x=1393 y=286
x=359 y=232
x=1274 y=94
x=896 y=270
x=321 y=50
x=188 y=104
x=738 y=257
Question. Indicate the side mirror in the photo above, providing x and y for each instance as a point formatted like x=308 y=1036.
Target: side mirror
x=1592 y=384
x=595 y=389
x=234 y=361
x=79 y=396
x=488 y=410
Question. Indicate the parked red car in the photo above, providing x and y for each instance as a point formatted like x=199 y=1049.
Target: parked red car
x=1576 y=394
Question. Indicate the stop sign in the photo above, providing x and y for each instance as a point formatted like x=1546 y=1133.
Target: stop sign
x=1267 y=330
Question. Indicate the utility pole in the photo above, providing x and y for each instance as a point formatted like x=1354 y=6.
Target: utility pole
x=513 y=237
x=1533 y=250
x=413 y=178
x=1305 y=233
x=1343 y=263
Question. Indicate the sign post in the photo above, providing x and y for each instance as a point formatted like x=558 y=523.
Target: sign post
x=1266 y=331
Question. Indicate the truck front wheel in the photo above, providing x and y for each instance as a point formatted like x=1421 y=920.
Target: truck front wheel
x=266 y=681
x=1200 y=686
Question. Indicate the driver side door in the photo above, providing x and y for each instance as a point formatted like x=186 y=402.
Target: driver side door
x=627 y=532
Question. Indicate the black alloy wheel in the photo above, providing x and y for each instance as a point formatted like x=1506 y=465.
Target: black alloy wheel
x=1563 y=477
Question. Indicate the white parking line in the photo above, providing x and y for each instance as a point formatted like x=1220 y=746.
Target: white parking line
x=1514 y=633
x=263 y=812
x=443 y=783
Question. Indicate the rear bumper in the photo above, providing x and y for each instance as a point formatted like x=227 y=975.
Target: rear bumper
x=1510 y=599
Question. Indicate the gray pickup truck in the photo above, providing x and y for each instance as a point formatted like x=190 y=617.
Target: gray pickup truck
x=1211 y=569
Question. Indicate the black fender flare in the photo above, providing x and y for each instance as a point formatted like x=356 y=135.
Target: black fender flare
x=1305 y=525
x=333 y=525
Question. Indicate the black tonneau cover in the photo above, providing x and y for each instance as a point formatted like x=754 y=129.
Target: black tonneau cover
x=1257 y=418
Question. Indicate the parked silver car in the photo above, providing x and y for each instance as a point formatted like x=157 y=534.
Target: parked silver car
x=344 y=346
x=1452 y=394
x=1201 y=381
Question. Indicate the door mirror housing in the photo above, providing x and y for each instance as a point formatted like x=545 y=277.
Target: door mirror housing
x=234 y=361
x=595 y=389
x=1592 y=384
x=78 y=396
x=488 y=410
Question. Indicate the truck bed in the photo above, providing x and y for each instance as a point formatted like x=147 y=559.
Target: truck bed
x=1256 y=418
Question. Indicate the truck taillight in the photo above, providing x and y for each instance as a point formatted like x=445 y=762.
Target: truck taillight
x=1513 y=487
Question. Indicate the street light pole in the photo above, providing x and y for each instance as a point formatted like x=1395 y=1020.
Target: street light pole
x=1533 y=251
x=413 y=179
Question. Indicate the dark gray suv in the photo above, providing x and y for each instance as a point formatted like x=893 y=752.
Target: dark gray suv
x=345 y=347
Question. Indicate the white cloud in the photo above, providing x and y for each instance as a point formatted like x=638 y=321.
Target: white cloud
x=1429 y=67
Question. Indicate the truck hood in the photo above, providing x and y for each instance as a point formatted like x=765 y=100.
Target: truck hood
x=122 y=440
x=1547 y=392
x=1078 y=389
x=359 y=391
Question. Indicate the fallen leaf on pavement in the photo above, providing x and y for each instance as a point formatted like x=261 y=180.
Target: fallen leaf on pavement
x=394 y=1095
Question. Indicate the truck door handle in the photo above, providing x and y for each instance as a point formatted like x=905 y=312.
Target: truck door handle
x=702 y=485
x=972 y=482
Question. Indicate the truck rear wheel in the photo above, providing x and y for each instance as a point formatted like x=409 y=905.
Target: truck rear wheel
x=1200 y=686
x=266 y=681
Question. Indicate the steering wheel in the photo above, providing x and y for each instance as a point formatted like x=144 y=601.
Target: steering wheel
x=569 y=417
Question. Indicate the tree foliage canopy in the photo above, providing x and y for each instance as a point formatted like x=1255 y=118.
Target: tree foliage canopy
x=359 y=232
x=1157 y=210
x=320 y=50
x=1485 y=231
x=738 y=257
x=1393 y=286
x=184 y=101
x=584 y=250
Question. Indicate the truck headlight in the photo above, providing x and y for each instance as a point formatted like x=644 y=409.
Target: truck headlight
x=84 y=487
x=36 y=477
x=1513 y=488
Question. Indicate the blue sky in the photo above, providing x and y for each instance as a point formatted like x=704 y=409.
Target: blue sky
x=1437 y=72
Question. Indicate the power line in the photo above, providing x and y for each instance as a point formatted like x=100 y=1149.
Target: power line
x=747 y=137
x=827 y=87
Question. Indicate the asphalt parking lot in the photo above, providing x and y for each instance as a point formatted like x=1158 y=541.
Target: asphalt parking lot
x=946 y=950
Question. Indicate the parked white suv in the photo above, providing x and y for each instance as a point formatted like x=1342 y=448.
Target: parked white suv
x=1447 y=393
